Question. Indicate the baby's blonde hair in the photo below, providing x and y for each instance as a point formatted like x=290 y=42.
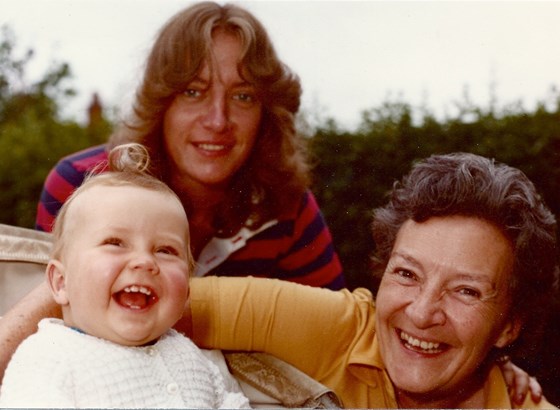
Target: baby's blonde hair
x=127 y=165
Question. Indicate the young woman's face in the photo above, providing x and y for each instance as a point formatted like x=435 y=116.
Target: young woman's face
x=125 y=264
x=210 y=129
x=443 y=303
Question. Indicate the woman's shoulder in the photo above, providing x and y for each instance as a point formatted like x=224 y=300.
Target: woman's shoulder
x=306 y=203
x=86 y=158
x=68 y=173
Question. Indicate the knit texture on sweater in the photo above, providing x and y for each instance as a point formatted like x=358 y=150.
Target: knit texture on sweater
x=60 y=367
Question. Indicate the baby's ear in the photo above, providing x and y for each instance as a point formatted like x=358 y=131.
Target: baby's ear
x=57 y=281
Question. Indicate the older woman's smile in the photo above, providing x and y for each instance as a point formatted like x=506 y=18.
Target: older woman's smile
x=420 y=345
x=446 y=284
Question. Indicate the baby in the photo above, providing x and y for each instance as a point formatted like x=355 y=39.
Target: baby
x=119 y=269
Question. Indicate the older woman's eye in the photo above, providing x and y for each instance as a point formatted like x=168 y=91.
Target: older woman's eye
x=405 y=274
x=470 y=293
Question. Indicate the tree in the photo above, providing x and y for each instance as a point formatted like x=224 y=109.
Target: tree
x=32 y=134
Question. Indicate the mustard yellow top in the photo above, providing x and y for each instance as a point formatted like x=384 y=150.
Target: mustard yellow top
x=328 y=335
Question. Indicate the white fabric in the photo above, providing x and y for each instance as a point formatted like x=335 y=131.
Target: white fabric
x=23 y=256
x=219 y=249
x=60 y=367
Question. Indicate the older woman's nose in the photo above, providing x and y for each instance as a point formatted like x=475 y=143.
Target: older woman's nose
x=426 y=309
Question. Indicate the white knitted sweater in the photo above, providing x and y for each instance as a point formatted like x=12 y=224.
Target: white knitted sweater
x=60 y=367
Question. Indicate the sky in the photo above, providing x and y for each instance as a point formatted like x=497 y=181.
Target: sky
x=351 y=56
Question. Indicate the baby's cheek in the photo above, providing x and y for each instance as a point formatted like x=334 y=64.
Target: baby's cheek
x=179 y=287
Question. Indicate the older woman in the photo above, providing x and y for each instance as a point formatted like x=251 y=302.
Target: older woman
x=467 y=250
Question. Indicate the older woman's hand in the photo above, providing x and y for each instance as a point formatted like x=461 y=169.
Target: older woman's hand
x=520 y=383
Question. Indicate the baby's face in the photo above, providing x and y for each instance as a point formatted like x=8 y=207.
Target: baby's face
x=125 y=264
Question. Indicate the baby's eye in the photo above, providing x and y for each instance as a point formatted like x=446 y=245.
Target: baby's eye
x=167 y=250
x=112 y=241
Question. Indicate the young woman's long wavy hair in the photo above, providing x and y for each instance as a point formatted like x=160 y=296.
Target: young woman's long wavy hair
x=276 y=174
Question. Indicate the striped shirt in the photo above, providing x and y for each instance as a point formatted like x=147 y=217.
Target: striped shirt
x=296 y=247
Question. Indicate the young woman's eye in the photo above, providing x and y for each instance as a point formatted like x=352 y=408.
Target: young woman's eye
x=192 y=93
x=244 y=97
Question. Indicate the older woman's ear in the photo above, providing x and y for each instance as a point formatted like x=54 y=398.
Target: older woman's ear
x=56 y=281
x=509 y=333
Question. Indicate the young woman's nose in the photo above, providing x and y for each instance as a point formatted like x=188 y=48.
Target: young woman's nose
x=426 y=309
x=217 y=116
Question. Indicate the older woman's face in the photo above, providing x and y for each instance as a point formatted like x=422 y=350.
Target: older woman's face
x=443 y=303
x=210 y=129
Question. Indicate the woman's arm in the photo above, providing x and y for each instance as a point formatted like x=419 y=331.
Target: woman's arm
x=287 y=320
x=21 y=321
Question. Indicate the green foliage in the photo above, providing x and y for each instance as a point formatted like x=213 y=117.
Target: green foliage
x=33 y=137
x=356 y=171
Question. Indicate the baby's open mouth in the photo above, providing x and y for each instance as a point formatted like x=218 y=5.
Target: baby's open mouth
x=136 y=297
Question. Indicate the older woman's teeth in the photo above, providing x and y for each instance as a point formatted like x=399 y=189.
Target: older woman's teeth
x=429 y=347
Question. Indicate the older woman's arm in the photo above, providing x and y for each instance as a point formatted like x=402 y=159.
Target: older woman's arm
x=284 y=319
x=21 y=321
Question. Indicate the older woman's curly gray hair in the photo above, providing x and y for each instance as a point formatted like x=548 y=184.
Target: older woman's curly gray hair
x=471 y=185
